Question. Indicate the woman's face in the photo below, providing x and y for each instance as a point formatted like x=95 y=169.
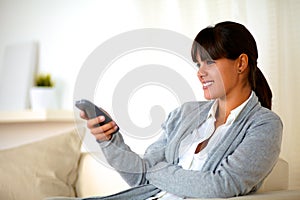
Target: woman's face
x=218 y=77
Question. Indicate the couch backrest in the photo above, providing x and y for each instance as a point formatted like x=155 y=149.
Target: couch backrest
x=278 y=179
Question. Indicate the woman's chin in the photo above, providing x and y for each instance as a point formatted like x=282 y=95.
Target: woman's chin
x=212 y=94
x=208 y=96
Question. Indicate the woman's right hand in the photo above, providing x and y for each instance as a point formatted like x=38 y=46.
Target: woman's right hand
x=101 y=133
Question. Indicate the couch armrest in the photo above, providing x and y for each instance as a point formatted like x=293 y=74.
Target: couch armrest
x=96 y=178
x=278 y=179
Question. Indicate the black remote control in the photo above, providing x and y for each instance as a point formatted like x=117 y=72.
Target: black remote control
x=92 y=111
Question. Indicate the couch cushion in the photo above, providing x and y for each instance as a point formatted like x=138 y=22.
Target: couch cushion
x=40 y=169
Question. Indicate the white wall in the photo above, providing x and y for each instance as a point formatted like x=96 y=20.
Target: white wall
x=68 y=31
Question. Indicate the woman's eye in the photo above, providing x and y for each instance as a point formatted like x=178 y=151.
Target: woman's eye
x=210 y=62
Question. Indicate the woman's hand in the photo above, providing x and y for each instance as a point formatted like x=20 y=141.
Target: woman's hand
x=101 y=133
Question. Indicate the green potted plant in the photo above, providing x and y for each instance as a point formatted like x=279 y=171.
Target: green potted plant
x=44 y=80
x=43 y=95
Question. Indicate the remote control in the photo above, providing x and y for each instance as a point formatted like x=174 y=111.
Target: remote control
x=92 y=111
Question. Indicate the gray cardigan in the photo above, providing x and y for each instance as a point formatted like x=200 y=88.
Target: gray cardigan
x=237 y=166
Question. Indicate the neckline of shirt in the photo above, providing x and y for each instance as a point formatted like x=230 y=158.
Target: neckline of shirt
x=233 y=113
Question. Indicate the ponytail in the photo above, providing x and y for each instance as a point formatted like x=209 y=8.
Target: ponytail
x=262 y=89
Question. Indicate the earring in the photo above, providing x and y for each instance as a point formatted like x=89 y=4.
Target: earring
x=239 y=71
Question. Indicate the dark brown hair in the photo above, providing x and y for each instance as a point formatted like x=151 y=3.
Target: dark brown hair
x=229 y=40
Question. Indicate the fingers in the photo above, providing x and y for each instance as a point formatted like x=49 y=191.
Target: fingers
x=104 y=136
x=83 y=115
x=103 y=132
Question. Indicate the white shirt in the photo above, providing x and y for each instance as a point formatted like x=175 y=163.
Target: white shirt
x=187 y=158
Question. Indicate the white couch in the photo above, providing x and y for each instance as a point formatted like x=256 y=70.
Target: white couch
x=56 y=166
x=96 y=178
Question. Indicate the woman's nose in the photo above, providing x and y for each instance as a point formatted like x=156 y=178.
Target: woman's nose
x=201 y=73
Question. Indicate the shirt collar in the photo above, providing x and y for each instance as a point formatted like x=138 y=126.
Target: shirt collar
x=233 y=113
x=213 y=110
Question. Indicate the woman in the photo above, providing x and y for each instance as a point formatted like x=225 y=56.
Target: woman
x=219 y=148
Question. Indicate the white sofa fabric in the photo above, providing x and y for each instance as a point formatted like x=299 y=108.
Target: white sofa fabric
x=56 y=166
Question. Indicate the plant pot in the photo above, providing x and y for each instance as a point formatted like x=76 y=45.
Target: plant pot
x=43 y=98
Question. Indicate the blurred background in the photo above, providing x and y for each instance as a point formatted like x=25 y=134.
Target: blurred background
x=61 y=34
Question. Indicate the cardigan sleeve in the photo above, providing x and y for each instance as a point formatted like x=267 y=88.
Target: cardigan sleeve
x=237 y=173
x=131 y=166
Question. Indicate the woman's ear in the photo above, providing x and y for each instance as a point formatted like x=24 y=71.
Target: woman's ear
x=242 y=63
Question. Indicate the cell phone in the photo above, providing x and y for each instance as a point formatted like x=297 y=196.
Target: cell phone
x=92 y=111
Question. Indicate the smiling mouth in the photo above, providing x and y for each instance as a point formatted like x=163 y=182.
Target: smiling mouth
x=208 y=83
